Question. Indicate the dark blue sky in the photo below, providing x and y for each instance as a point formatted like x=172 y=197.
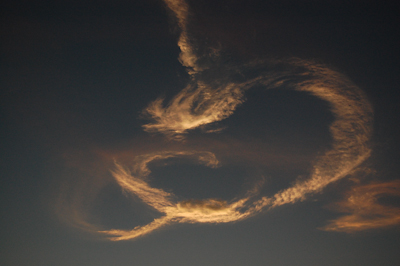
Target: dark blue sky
x=77 y=75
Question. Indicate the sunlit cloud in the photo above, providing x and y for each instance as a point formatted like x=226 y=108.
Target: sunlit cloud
x=213 y=94
x=211 y=97
x=187 y=211
x=195 y=106
x=350 y=131
x=365 y=210
x=187 y=57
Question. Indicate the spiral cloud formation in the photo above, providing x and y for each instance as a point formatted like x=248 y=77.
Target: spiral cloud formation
x=214 y=92
x=211 y=97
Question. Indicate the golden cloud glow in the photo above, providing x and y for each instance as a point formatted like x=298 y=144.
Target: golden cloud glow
x=212 y=95
x=365 y=212
x=187 y=56
x=188 y=211
x=194 y=106
x=351 y=129
x=205 y=101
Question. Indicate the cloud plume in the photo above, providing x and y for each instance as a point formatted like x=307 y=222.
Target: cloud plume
x=187 y=57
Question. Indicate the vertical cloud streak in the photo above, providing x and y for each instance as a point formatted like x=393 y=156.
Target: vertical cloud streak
x=187 y=57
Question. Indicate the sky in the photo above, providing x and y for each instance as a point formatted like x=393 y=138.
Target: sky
x=173 y=132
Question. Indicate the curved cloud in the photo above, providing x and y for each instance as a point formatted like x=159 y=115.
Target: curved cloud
x=213 y=94
x=213 y=97
x=202 y=104
x=188 y=211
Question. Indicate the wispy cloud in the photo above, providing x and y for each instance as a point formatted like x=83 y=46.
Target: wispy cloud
x=195 y=106
x=211 y=97
x=187 y=211
x=365 y=210
x=213 y=94
x=350 y=131
x=187 y=57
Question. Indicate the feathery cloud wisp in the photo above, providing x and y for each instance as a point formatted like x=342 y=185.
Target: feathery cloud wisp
x=187 y=211
x=365 y=212
x=350 y=131
x=213 y=94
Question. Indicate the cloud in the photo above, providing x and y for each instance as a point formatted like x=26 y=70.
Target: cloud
x=187 y=57
x=213 y=97
x=193 y=107
x=187 y=211
x=351 y=130
x=213 y=94
x=365 y=211
x=203 y=206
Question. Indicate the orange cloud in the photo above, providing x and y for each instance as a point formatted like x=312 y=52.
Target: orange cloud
x=210 y=98
x=196 y=106
x=205 y=206
x=188 y=211
x=212 y=95
x=187 y=57
x=365 y=212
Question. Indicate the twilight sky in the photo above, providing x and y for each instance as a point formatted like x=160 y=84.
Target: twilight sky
x=173 y=132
